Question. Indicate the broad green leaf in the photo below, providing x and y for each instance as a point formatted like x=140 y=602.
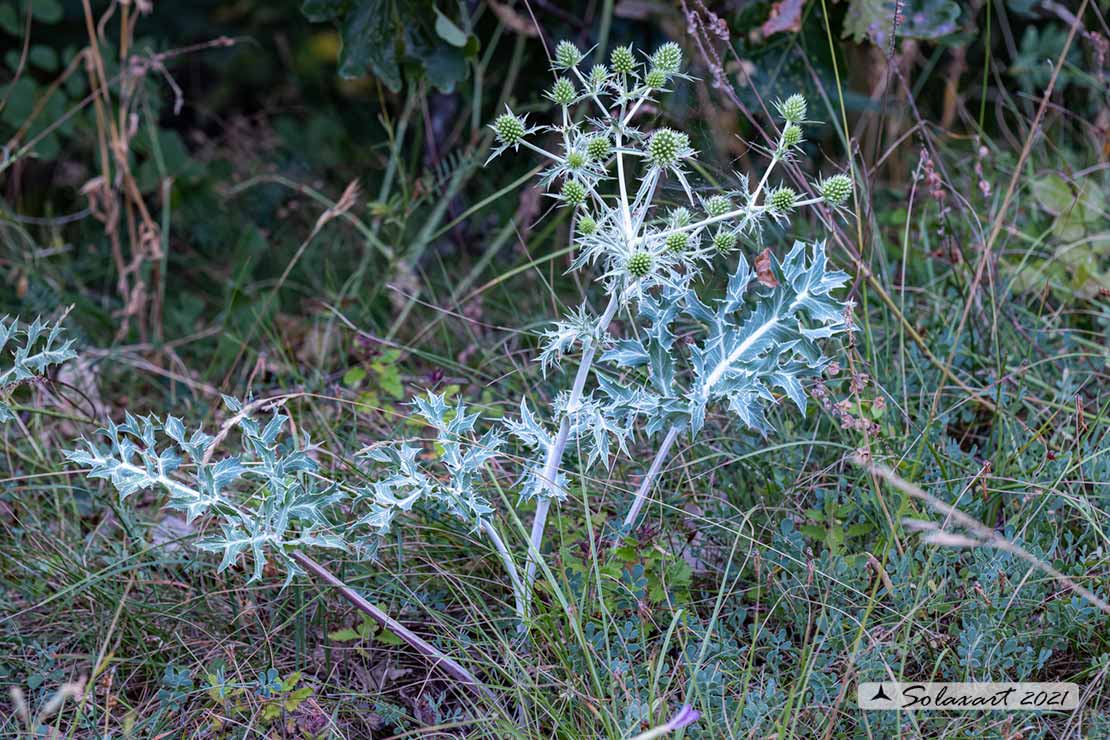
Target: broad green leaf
x=1053 y=194
x=46 y=11
x=354 y=376
x=369 y=44
x=448 y=31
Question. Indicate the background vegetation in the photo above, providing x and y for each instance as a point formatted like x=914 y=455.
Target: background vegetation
x=280 y=199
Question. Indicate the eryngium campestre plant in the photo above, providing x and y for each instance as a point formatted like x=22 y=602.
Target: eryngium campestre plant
x=271 y=499
x=27 y=351
x=650 y=257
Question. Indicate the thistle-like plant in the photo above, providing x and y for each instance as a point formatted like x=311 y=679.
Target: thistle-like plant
x=270 y=502
x=651 y=255
x=267 y=501
x=27 y=351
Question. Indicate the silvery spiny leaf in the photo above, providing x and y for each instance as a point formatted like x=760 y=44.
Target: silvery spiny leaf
x=285 y=506
x=29 y=357
x=532 y=433
x=578 y=327
x=592 y=428
x=406 y=483
x=748 y=351
x=747 y=354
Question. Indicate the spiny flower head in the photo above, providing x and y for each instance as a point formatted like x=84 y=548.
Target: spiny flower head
x=639 y=264
x=791 y=135
x=666 y=146
x=782 y=199
x=667 y=58
x=598 y=74
x=623 y=60
x=574 y=193
x=567 y=55
x=679 y=217
x=724 y=241
x=509 y=128
x=599 y=148
x=677 y=242
x=717 y=205
x=562 y=92
x=793 y=109
x=587 y=225
x=836 y=189
x=576 y=160
x=655 y=79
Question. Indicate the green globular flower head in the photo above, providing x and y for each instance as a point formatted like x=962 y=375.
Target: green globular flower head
x=666 y=146
x=567 y=55
x=509 y=128
x=667 y=58
x=562 y=92
x=793 y=109
x=791 y=135
x=655 y=79
x=676 y=243
x=717 y=205
x=836 y=189
x=782 y=199
x=599 y=148
x=598 y=74
x=724 y=241
x=639 y=264
x=679 y=217
x=576 y=160
x=574 y=193
x=587 y=225
x=623 y=60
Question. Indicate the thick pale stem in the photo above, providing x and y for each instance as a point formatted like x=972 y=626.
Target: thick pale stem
x=429 y=651
x=510 y=566
x=635 y=107
x=555 y=452
x=649 y=478
x=748 y=214
x=749 y=211
x=619 y=142
x=540 y=150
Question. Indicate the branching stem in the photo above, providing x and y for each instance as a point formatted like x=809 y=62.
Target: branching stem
x=649 y=478
x=410 y=638
x=555 y=452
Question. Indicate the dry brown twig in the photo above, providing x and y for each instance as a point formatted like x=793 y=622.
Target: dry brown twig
x=977 y=533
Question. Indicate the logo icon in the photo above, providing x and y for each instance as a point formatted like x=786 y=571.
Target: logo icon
x=880 y=695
